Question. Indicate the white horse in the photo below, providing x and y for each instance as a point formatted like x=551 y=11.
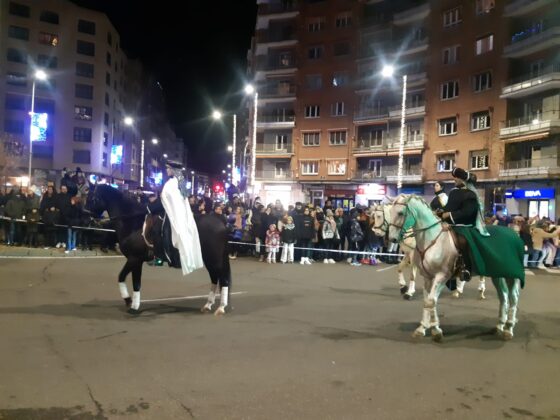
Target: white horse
x=436 y=257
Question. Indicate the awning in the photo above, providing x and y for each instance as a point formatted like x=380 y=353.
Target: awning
x=536 y=136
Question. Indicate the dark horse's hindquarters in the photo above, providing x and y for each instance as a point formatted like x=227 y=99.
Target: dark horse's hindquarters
x=128 y=217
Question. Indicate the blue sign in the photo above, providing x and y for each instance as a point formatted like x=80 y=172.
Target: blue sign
x=538 y=193
x=39 y=127
x=419 y=190
x=116 y=154
x=158 y=178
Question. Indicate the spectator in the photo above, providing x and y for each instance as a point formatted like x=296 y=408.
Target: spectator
x=272 y=243
x=305 y=234
x=288 y=235
x=15 y=209
x=329 y=233
x=50 y=216
x=355 y=236
x=32 y=216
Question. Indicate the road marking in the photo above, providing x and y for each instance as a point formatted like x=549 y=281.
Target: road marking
x=528 y=272
x=188 y=297
x=552 y=271
x=387 y=268
x=58 y=258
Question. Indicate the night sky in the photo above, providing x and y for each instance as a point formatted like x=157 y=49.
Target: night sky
x=199 y=67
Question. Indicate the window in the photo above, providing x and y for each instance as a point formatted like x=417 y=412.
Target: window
x=109 y=38
x=479 y=159
x=108 y=79
x=86 y=27
x=311 y=139
x=340 y=79
x=47 y=61
x=448 y=126
x=49 y=17
x=20 y=10
x=108 y=58
x=16 y=102
x=450 y=90
x=46 y=38
x=315 y=53
x=280 y=170
x=337 y=138
x=84 y=70
x=371 y=137
x=46 y=106
x=336 y=167
x=310 y=167
x=450 y=55
x=445 y=163
x=342 y=48
x=374 y=166
x=107 y=102
x=106 y=119
x=84 y=91
x=313 y=81
x=281 y=141
x=480 y=121
x=81 y=156
x=13 y=126
x=105 y=139
x=85 y=48
x=343 y=20
x=16 y=79
x=312 y=111
x=82 y=135
x=337 y=109
x=316 y=24
x=484 y=6
x=484 y=44
x=18 y=32
x=482 y=81
x=16 y=56
x=104 y=161
x=83 y=112
x=452 y=17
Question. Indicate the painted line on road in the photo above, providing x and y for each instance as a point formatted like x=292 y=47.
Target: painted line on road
x=530 y=273
x=188 y=297
x=549 y=270
x=387 y=268
x=58 y=258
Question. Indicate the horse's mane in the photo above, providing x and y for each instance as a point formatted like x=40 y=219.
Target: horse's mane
x=112 y=195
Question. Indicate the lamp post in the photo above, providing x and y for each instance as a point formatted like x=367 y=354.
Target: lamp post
x=142 y=164
x=217 y=115
x=192 y=182
x=39 y=75
x=388 y=71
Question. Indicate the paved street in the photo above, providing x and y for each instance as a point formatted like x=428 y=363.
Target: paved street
x=319 y=342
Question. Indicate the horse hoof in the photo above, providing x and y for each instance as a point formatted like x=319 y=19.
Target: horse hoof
x=418 y=333
x=455 y=294
x=508 y=335
x=128 y=302
x=206 y=308
x=406 y=296
x=481 y=295
x=133 y=311
x=404 y=289
x=220 y=311
x=437 y=335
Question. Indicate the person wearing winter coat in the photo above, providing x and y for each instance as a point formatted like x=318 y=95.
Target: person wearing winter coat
x=73 y=217
x=288 y=236
x=63 y=205
x=305 y=234
x=32 y=217
x=15 y=209
x=50 y=215
x=272 y=243
x=356 y=235
x=329 y=234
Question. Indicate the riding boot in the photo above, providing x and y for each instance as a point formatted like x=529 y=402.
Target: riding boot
x=223 y=301
x=124 y=293
x=135 y=301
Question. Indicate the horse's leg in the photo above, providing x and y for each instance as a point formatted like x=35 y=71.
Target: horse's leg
x=136 y=284
x=437 y=287
x=459 y=290
x=425 y=321
x=122 y=283
x=225 y=280
x=400 y=271
x=212 y=295
x=514 y=287
x=481 y=287
x=502 y=290
x=412 y=282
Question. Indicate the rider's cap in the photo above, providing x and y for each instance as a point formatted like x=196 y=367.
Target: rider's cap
x=464 y=175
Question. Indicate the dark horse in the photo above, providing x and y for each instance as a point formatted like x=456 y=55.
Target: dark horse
x=128 y=220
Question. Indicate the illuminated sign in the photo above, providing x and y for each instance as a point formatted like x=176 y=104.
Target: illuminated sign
x=546 y=193
x=116 y=154
x=39 y=127
x=372 y=190
x=158 y=178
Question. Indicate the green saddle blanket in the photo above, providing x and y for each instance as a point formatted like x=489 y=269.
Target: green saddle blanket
x=497 y=255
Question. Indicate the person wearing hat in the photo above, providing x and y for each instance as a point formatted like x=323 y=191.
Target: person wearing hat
x=440 y=200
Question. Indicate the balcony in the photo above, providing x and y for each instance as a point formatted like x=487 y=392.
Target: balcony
x=388 y=144
x=274 y=175
x=533 y=40
x=276 y=121
x=522 y=7
x=531 y=84
x=277 y=93
x=274 y=66
x=413 y=110
x=389 y=174
x=527 y=126
x=367 y=114
x=274 y=39
x=412 y=15
x=272 y=11
x=275 y=150
x=530 y=168
x=412 y=47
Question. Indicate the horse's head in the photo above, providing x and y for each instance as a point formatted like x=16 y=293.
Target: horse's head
x=97 y=202
x=380 y=215
x=400 y=218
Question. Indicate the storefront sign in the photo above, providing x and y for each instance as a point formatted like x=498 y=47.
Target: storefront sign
x=540 y=193
x=419 y=190
x=371 y=190
x=278 y=188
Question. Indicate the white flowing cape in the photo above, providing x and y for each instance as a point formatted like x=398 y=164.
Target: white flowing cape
x=183 y=227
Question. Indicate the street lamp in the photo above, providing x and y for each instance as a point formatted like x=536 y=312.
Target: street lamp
x=155 y=141
x=250 y=90
x=192 y=182
x=217 y=115
x=39 y=75
x=128 y=120
x=165 y=155
x=388 y=71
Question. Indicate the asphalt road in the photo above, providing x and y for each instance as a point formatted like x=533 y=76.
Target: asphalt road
x=303 y=342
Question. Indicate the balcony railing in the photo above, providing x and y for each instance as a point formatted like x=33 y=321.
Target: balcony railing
x=278 y=91
x=412 y=14
x=282 y=7
x=276 y=63
x=276 y=118
x=274 y=175
x=518 y=7
x=532 y=40
x=371 y=113
x=553 y=68
x=391 y=142
x=268 y=36
x=530 y=124
x=531 y=167
x=390 y=173
x=274 y=149
x=412 y=108
x=548 y=78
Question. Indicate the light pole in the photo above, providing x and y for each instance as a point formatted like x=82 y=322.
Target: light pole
x=39 y=75
x=192 y=182
x=142 y=164
x=388 y=71
x=217 y=115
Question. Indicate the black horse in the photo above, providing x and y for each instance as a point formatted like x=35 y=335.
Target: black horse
x=128 y=218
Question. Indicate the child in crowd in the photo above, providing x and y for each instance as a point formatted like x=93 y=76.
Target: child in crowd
x=272 y=243
x=288 y=238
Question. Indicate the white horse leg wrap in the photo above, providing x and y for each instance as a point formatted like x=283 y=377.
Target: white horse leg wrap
x=411 y=287
x=135 y=301
x=124 y=290
x=224 y=297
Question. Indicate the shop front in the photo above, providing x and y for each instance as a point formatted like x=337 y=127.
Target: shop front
x=341 y=198
x=370 y=194
x=532 y=202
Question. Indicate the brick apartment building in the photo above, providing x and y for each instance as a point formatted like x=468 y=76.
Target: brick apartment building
x=482 y=94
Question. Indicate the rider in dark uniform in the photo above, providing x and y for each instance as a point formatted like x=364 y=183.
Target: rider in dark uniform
x=440 y=200
x=461 y=209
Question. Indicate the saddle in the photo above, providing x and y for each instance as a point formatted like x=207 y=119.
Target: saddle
x=158 y=237
x=463 y=263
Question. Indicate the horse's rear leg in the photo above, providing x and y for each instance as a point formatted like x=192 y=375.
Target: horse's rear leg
x=481 y=287
x=514 y=286
x=225 y=282
x=212 y=295
x=502 y=290
x=122 y=283
x=136 y=284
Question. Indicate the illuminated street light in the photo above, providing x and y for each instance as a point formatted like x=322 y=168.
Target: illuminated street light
x=128 y=120
x=229 y=165
x=155 y=141
x=165 y=155
x=230 y=148
x=249 y=89
x=217 y=115
x=388 y=71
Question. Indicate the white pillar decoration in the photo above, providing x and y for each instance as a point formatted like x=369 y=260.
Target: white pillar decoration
x=254 y=148
x=401 y=139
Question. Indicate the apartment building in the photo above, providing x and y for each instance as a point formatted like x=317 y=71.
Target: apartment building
x=84 y=96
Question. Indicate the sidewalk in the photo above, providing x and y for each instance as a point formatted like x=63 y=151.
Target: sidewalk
x=21 y=251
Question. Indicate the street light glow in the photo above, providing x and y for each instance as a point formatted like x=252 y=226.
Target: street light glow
x=192 y=172
x=230 y=148
x=388 y=71
x=165 y=155
x=249 y=89
x=223 y=171
x=216 y=115
x=229 y=165
x=128 y=120
x=40 y=75
x=155 y=141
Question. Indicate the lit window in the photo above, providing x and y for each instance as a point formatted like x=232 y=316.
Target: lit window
x=445 y=163
x=448 y=126
x=484 y=44
x=484 y=6
x=46 y=38
x=336 y=167
x=83 y=113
